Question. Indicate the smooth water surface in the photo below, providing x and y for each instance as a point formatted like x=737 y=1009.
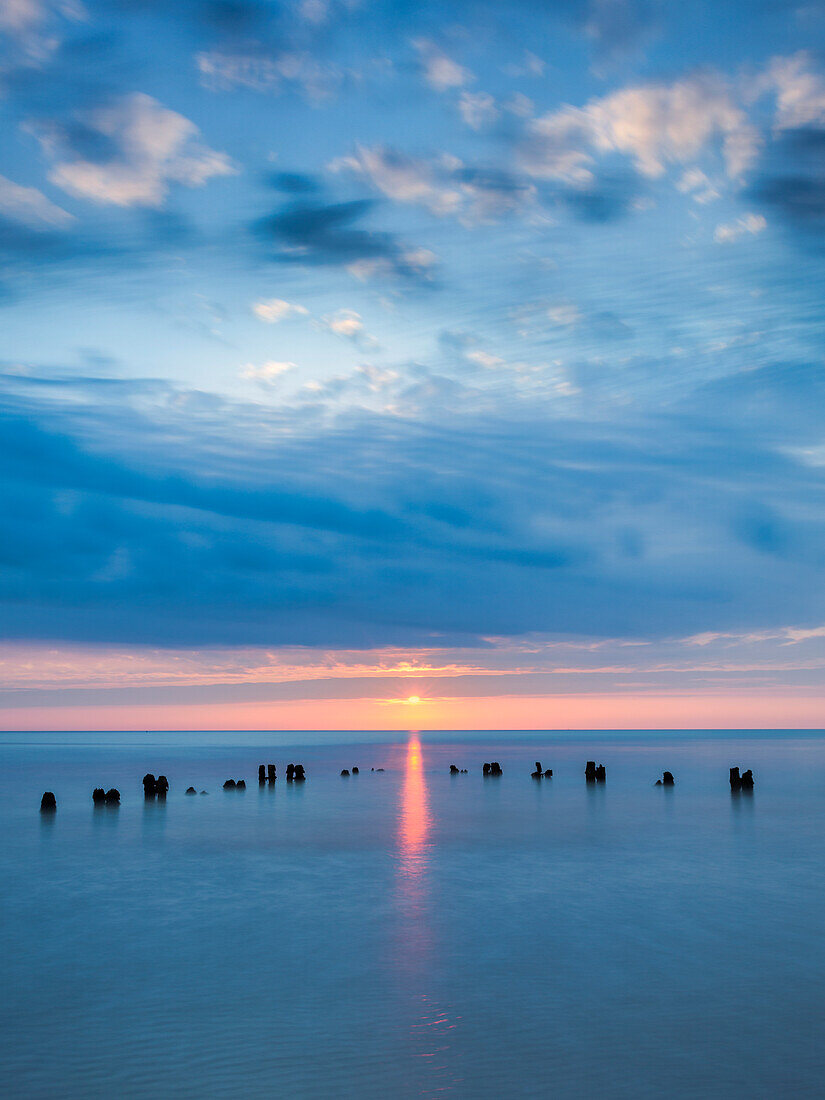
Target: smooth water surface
x=407 y=933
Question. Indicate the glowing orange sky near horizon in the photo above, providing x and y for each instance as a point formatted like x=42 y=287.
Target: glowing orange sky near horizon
x=767 y=679
x=626 y=711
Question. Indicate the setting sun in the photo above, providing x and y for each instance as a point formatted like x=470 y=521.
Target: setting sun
x=414 y=699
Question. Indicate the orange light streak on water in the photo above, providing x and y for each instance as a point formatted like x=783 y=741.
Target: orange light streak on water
x=413 y=850
x=415 y=821
x=432 y=1023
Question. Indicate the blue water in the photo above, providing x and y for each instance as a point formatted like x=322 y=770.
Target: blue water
x=406 y=933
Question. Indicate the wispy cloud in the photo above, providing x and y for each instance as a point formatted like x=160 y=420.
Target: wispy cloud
x=266 y=372
x=748 y=225
x=273 y=310
x=440 y=71
x=330 y=234
x=128 y=153
x=31 y=207
x=444 y=186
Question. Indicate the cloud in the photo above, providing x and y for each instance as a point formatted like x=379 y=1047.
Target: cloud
x=654 y=124
x=32 y=39
x=31 y=207
x=800 y=93
x=316 y=233
x=222 y=71
x=31 y=25
x=128 y=153
x=264 y=71
x=440 y=71
x=493 y=193
x=695 y=183
x=402 y=178
x=478 y=109
x=39 y=674
x=136 y=510
x=531 y=65
x=346 y=322
x=792 y=181
x=267 y=372
x=792 y=176
x=17 y=16
x=561 y=482
x=273 y=310
x=606 y=197
x=564 y=314
x=444 y=186
x=519 y=105
x=747 y=225
x=556 y=147
x=349 y=325
x=484 y=359
x=314 y=11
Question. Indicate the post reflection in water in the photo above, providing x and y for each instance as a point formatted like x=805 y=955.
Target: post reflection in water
x=432 y=1023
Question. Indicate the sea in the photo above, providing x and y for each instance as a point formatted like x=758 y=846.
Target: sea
x=405 y=932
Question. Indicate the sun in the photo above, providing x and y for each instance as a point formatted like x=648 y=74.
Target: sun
x=414 y=699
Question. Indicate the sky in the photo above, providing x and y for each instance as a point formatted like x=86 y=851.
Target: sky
x=372 y=365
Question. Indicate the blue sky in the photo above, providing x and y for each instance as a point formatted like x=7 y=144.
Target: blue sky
x=367 y=328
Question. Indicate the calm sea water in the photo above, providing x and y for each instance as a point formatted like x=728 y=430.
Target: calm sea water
x=407 y=933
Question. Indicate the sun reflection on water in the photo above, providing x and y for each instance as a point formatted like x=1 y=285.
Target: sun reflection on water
x=415 y=822
x=430 y=1022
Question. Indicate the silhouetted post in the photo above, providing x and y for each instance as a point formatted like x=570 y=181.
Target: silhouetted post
x=191 y=790
x=229 y=785
x=48 y=802
x=667 y=779
x=735 y=780
x=601 y=773
x=747 y=780
x=262 y=774
x=590 y=771
x=345 y=771
x=355 y=771
x=290 y=772
x=149 y=787
x=485 y=769
x=495 y=768
x=453 y=769
x=270 y=769
x=98 y=795
x=299 y=773
x=162 y=786
x=112 y=797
